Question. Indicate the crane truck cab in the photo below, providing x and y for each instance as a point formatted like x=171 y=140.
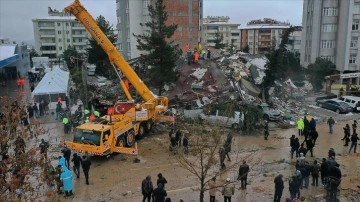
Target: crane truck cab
x=105 y=136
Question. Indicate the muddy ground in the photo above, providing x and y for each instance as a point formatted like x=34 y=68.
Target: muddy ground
x=119 y=178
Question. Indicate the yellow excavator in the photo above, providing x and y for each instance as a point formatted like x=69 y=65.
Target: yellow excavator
x=116 y=132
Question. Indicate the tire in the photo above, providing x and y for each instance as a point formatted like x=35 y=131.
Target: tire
x=141 y=131
x=130 y=138
x=235 y=126
x=120 y=141
x=266 y=117
x=337 y=111
x=148 y=126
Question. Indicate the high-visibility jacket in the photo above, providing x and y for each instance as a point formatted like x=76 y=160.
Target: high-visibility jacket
x=67 y=178
x=65 y=120
x=300 y=124
x=86 y=112
x=97 y=114
x=91 y=117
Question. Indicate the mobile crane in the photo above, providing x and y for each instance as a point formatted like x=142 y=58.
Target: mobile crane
x=115 y=133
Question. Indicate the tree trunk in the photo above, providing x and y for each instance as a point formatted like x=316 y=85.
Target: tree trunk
x=202 y=187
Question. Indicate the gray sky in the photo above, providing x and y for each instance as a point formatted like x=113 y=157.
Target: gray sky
x=16 y=15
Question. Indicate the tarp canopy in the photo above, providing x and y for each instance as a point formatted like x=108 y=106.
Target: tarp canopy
x=52 y=85
x=7 y=54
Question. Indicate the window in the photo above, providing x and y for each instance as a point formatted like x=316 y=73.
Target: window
x=80 y=40
x=60 y=47
x=354 y=41
x=59 y=32
x=352 y=58
x=67 y=32
x=330 y=11
x=68 y=40
x=355 y=25
x=58 y=24
x=329 y=28
x=356 y=9
x=59 y=40
x=250 y=43
x=67 y=24
x=327 y=43
x=327 y=57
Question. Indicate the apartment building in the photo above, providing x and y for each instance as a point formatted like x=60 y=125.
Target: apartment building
x=262 y=35
x=54 y=33
x=215 y=25
x=331 y=30
x=294 y=44
x=187 y=14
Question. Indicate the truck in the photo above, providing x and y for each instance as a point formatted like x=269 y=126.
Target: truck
x=116 y=132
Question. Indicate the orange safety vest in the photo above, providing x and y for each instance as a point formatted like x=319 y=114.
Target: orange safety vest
x=22 y=81
x=18 y=81
x=187 y=47
x=110 y=111
x=196 y=56
x=91 y=117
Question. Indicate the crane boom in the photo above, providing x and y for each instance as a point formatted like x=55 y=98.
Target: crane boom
x=114 y=56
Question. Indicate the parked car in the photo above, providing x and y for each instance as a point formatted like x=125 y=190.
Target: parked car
x=335 y=105
x=221 y=119
x=353 y=101
x=268 y=113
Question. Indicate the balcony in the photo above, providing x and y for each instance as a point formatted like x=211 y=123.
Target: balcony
x=46 y=28
x=78 y=28
x=48 y=43
x=48 y=51
x=47 y=36
x=79 y=43
x=79 y=35
x=265 y=39
x=212 y=31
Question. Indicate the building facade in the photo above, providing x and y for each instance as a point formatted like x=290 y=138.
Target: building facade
x=214 y=26
x=261 y=36
x=295 y=40
x=331 y=30
x=187 y=14
x=53 y=34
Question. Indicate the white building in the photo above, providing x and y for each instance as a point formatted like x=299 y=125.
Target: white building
x=331 y=30
x=14 y=59
x=213 y=25
x=295 y=40
x=53 y=34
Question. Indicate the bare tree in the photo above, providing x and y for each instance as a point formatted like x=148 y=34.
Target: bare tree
x=202 y=158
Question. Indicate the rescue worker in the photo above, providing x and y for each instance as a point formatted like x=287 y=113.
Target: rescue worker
x=43 y=148
x=228 y=190
x=92 y=117
x=86 y=113
x=61 y=161
x=196 y=57
x=243 y=173
x=22 y=83
x=18 y=82
x=97 y=113
x=66 y=178
x=187 y=47
x=85 y=164
x=76 y=161
x=300 y=126
x=67 y=154
x=161 y=180
x=199 y=47
x=66 y=123
x=59 y=100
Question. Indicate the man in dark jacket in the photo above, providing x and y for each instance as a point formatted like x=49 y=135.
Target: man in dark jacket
x=159 y=194
x=76 y=161
x=354 y=138
x=161 y=180
x=85 y=164
x=324 y=171
x=243 y=173
x=309 y=146
x=67 y=154
x=279 y=187
x=302 y=149
x=147 y=188
x=306 y=174
x=294 y=187
x=315 y=168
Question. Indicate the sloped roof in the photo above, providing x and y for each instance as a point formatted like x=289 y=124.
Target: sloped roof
x=53 y=82
x=7 y=54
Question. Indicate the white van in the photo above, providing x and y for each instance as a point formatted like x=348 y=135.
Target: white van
x=353 y=101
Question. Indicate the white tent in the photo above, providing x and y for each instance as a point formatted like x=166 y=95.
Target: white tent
x=51 y=86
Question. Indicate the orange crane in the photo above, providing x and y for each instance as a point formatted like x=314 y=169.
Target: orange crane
x=116 y=133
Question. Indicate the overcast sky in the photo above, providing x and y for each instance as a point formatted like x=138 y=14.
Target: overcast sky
x=16 y=15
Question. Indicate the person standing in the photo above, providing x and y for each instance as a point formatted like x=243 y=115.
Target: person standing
x=159 y=193
x=300 y=126
x=85 y=164
x=243 y=172
x=147 y=188
x=67 y=154
x=312 y=124
x=212 y=189
x=36 y=110
x=315 y=169
x=354 y=126
x=346 y=135
x=43 y=148
x=66 y=123
x=208 y=55
x=323 y=171
x=228 y=190
x=76 y=161
x=222 y=156
x=58 y=110
x=66 y=178
x=354 y=138
x=331 y=123
x=310 y=146
x=161 y=180
x=279 y=187
x=185 y=144
x=266 y=129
